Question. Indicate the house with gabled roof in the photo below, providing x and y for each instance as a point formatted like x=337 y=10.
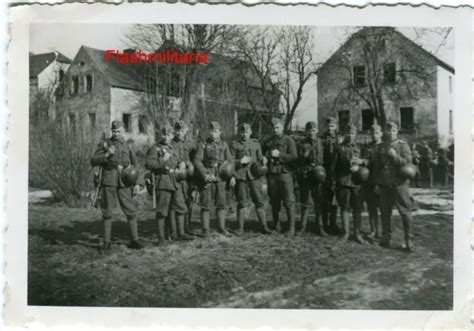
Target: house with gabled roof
x=379 y=68
x=96 y=92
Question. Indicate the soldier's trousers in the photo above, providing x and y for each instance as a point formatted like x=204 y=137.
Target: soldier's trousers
x=310 y=194
x=372 y=199
x=399 y=196
x=113 y=196
x=281 y=188
x=249 y=190
x=213 y=192
x=167 y=201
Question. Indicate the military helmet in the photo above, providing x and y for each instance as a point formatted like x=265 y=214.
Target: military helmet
x=180 y=174
x=318 y=174
x=129 y=176
x=408 y=171
x=258 y=169
x=226 y=170
x=361 y=175
x=189 y=170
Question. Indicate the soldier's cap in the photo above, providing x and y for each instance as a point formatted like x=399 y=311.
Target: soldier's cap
x=375 y=127
x=350 y=128
x=116 y=125
x=330 y=120
x=180 y=125
x=215 y=126
x=166 y=129
x=244 y=127
x=391 y=124
x=310 y=125
x=276 y=121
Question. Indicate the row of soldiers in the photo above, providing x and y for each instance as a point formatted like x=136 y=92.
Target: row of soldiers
x=329 y=172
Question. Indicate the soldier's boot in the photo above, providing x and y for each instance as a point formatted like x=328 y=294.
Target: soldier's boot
x=304 y=221
x=262 y=217
x=333 y=219
x=107 y=236
x=406 y=220
x=386 y=231
x=324 y=218
x=430 y=176
x=187 y=222
x=241 y=221
x=182 y=235
x=132 y=224
x=172 y=225
x=357 y=225
x=205 y=222
x=345 y=225
x=160 y=222
x=320 y=227
x=221 y=222
x=276 y=219
x=291 y=215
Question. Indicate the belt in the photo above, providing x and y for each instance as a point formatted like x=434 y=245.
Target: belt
x=211 y=165
x=164 y=171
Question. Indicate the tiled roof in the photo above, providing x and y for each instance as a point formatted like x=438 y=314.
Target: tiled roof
x=39 y=62
x=128 y=76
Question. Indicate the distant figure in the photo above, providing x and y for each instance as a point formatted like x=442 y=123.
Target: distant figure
x=416 y=162
x=426 y=163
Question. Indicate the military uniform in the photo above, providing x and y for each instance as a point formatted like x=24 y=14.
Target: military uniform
x=210 y=155
x=369 y=194
x=247 y=186
x=328 y=205
x=348 y=191
x=416 y=158
x=310 y=155
x=443 y=166
x=186 y=151
x=279 y=178
x=169 y=193
x=394 y=190
x=426 y=168
x=114 y=192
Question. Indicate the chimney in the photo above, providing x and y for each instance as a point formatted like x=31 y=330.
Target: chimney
x=129 y=50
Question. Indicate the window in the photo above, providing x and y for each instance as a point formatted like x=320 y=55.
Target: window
x=451 y=123
x=142 y=123
x=382 y=43
x=450 y=84
x=92 y=120
x=407 y=119
x=127 y=122
x=389 y=73
x=344 y=119
x=88 y=83
x=359 y=75
x=367 y=119
x=61 y=74
x=72 y=121
x=74 y=85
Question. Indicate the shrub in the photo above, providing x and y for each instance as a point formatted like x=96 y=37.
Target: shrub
x=59 y=157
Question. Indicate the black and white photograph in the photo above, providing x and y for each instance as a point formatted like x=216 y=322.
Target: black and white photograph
x=298 y=167
x=241 y=166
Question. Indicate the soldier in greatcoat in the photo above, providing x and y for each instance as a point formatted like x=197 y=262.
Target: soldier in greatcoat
x=329 y=208
x=348 y=162
x=310 y=156
x=114 y=155
x=248 y=185
x=281 y=153
x=164 y=162
x=211 y=156
x=393 y=188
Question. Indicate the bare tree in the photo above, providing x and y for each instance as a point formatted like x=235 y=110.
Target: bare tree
x=371 y=72
x=170 y=89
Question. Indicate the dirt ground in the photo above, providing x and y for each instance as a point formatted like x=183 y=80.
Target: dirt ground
x=252 y=271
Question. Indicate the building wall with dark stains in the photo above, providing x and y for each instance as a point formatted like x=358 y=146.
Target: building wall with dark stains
x=97 y=101
x=415 y=85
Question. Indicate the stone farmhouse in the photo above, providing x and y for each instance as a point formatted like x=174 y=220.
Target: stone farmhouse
x=46 y=71
x=97 y=93
x=379 y=68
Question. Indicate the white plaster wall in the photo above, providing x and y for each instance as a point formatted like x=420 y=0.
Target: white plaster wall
x=445 y=104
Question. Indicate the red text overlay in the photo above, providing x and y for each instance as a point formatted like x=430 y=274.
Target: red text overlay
x=167 y=56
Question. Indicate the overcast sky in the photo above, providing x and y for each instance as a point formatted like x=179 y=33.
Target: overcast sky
x=68 y=38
